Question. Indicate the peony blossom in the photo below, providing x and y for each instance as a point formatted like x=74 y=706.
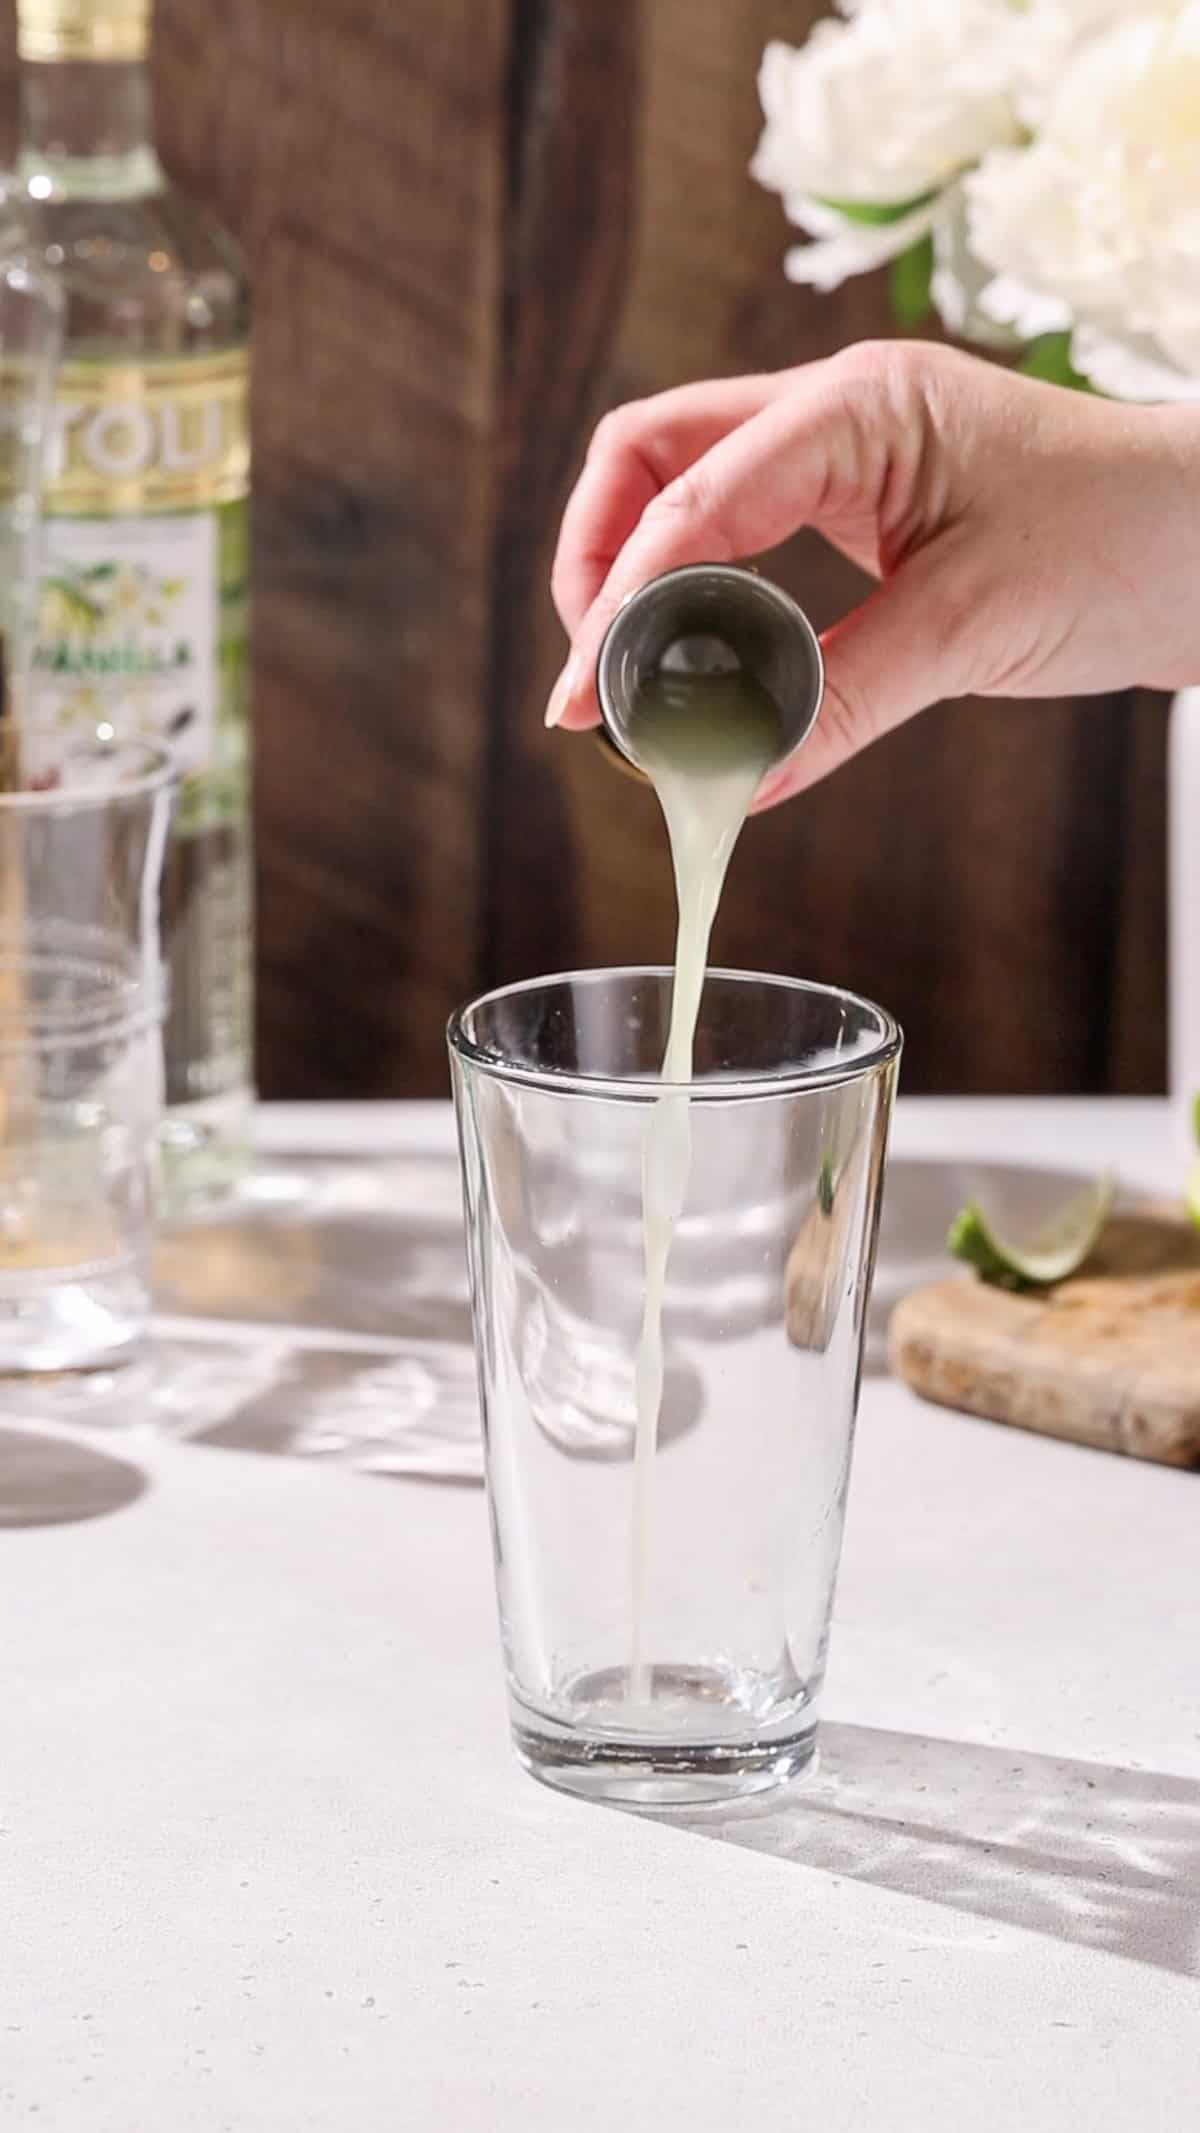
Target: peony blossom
x=880 y=113
x=1056 y=30
x=1095 y=225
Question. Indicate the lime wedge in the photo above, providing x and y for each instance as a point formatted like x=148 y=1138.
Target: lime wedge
x=1051 y=1253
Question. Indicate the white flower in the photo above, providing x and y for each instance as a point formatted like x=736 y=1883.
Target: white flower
x=1069 y=20
x=958 y=281
x=1096 y=225
x=1055 y=31
x=845 y=247
x=883 y=111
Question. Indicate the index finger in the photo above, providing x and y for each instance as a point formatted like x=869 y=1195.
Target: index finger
x=635 y=453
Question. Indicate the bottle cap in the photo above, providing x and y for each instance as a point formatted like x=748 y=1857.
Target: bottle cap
x=83 y=29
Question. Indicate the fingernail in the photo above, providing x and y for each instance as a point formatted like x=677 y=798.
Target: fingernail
x=563 y=690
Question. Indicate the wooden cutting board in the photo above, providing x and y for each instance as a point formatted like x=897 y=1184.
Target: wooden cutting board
x=1110 y=1357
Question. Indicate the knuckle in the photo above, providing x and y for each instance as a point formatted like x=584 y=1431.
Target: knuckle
x=690 y=501
x=680 y=499
x=560 y=579
x=615 y=432
x=862 y=360
x=890 y=373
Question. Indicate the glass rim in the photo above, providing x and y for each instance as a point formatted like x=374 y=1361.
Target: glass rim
x=157 y=772
x=645 y=1089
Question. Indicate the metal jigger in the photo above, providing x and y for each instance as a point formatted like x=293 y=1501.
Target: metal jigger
x=710 y=618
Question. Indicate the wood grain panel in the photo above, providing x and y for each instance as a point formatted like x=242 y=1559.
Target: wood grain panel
x=1137 y=1035
x=574 y=87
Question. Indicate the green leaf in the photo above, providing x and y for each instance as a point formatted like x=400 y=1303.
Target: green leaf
x=909 y=285
x=877 y=217
x=1050 y=360
x=825 y=1186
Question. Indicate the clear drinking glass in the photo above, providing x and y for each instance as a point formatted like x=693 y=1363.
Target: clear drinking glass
x=83 y=823
x=675 y=1655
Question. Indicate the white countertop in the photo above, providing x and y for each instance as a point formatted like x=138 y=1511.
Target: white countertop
x=266 y=1860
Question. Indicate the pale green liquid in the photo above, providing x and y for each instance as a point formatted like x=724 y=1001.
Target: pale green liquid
x=705 y=741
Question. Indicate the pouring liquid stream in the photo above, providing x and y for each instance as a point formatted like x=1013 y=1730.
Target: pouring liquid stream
x=705 y=742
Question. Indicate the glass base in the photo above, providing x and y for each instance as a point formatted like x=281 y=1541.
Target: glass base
x=205 y=1149
x=95 y=1323
x=693 y=1743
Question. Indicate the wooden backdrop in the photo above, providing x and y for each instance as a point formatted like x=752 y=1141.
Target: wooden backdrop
x=474 y=225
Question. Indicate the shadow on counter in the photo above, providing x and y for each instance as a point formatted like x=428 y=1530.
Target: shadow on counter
x=1104 y=1857
x=47 y=1480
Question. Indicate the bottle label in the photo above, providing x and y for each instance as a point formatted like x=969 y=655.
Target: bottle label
x=143 y=601
x=152 y=436
x=83 y=29
x=128 y=625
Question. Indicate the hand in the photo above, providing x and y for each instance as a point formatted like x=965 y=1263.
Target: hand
x=1028 y=541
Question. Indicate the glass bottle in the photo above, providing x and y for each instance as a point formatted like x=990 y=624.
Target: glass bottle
x=143 y=609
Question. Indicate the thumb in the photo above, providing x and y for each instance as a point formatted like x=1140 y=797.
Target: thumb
x=890 y=658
